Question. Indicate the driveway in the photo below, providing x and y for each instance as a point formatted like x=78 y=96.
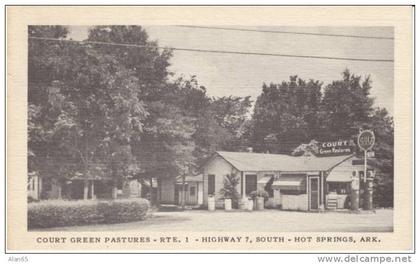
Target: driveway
x=259 y=221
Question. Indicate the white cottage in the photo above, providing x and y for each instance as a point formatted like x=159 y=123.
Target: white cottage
x=293 y=183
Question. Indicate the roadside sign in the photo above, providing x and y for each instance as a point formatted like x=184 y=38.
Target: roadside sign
x=366 y=139
x=370 y=154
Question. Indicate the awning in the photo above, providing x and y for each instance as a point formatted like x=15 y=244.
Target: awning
x=290 y=182
x=340 y=176
x=264 y=179
x=190 y=178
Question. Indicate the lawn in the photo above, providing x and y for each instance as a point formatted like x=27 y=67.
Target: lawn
x=260 y=221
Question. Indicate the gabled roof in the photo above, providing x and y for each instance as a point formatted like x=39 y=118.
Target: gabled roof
x=246 y=161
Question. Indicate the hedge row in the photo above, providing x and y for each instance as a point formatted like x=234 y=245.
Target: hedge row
x=55 y=213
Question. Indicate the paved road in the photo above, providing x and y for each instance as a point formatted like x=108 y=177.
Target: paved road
x=262 y=221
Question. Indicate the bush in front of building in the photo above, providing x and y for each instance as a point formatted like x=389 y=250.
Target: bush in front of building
x=55 y=213
x=52 y=213
x=124 y=210
x=258 y=193
x=230 y=190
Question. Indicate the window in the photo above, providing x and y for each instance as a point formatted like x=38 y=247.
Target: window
x=339 y=187
x=192 y=190
x=250 y=183
x=211 y=184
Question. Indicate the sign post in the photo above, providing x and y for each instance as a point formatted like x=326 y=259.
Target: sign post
x=366 y=140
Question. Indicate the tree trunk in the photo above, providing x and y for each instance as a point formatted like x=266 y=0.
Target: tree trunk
x=59 y=191
x=92 y=190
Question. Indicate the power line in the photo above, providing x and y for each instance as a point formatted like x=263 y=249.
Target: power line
x=289 y=32
x=215 y=51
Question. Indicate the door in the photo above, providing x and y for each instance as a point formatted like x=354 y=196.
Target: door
x=192 y=195
x=314 y=193
x=211 y=184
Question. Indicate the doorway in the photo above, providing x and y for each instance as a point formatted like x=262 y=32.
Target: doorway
x=314 y=193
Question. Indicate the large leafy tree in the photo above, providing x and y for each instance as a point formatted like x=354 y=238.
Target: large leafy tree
x=84 y=110
x=346 y=106
x=165 y=147
x=143 y=57
x=97 y=109
x=286 y=114
x=221 y=124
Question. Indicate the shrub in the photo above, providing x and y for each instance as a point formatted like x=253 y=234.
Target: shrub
x=62 y=213
x=258 y=193
x=123 y=210
x=229 y=190
x=229 y=187
x=55 y=213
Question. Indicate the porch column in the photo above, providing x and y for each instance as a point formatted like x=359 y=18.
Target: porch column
x=85 y=189
x=243 y=185
x=308 y=193
x=34 y=186
x=92 y=190
x=59 y=189
x=322 y=191
x=39 y=187
x=183 y=194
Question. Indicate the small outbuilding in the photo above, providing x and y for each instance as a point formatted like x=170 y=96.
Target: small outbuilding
x=171 y=190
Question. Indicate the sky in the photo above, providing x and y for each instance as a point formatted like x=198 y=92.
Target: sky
x=243 y=75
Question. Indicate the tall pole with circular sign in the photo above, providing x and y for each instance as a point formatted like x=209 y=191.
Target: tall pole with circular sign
x=366 y=140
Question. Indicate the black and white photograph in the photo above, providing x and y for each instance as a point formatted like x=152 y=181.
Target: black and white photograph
x=185 y=127
x=210 y=129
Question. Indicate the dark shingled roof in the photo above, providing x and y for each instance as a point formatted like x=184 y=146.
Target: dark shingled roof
x=246 y=161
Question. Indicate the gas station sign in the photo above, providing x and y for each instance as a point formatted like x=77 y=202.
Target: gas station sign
x=366 y=139
x=338 y=147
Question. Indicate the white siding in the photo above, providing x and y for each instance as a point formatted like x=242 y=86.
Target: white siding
x=219 y=168
x=295 y=202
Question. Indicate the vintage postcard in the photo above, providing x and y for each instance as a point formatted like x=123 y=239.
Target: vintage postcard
x=210 y=129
